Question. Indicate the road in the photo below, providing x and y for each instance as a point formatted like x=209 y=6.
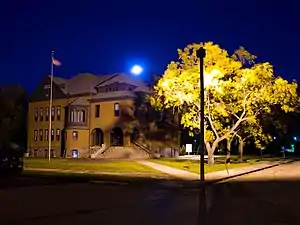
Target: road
x=259 y=198
x=270 y=197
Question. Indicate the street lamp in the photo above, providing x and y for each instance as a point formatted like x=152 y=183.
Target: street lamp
x=201 y=55
x=202 y=195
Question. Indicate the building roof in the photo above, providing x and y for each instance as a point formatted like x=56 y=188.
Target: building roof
x=122 y=78
x=113 y=94
x=80 y=101
x=87 y=83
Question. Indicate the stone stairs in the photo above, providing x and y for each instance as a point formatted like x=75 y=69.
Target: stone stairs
x=116 y=152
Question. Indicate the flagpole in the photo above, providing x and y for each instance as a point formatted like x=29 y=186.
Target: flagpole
x=50 y=107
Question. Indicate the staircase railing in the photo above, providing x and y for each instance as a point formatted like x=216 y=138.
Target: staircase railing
x=108 y=147
x=142 y=147
x=96 y=150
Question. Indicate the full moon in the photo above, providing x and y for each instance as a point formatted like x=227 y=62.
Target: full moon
x=136 y=70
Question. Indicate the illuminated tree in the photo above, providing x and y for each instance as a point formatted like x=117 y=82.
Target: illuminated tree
x=233 y=94
x=253 y=131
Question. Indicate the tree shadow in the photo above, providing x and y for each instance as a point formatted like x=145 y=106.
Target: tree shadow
x=154 y=129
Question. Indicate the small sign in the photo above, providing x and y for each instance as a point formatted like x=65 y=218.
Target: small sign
x=188 y=148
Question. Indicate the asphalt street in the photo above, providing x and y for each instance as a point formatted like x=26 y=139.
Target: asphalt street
x=267 y=197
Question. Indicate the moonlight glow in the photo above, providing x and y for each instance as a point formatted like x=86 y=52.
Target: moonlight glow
x=136 y=70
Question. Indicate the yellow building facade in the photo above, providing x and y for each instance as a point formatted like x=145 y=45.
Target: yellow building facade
x=89 y=115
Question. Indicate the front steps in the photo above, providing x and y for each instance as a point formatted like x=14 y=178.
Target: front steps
x=116 y=152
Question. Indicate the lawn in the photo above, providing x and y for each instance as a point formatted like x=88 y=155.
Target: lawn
x=90 y=166
x=193 y=165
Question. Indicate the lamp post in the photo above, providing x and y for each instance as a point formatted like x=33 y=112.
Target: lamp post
x=202 y=195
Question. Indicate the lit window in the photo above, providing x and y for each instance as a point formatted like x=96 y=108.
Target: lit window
x=35 y=135
x=78 y=116
x=58 y=135
x=58 y=112
x=117 y=110
x=52 y=113
x=52 y=134
x=72 y=116
x=75 y=135
x=46 y=135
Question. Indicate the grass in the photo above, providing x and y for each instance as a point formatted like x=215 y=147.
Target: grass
x=193 y=165
x=65 y=176
x=90 y=166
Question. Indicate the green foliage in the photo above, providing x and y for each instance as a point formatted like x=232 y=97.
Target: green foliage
x=235 y=96
x=13 y=114
x=182 y=150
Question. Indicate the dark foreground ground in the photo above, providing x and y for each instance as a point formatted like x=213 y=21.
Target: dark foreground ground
x=260 y=198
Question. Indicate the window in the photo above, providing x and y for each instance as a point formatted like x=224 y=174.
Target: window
x=97 y=111
x=75 y=135
x=36 y=114
x=58 y=134
x=47 y=113
x=46 y=153
x=117 y=109
x=41 y=114
x=58 y=112
x=52 y=113
x=47 y=88
x=35 y=153
x=47 y=92
x=52 y=134
x=78 y=116
x=81 y=116
x=46 y=135
x=41 y=135
x=35 y=135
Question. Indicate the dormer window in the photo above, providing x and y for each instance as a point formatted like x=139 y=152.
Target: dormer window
x=47 y=90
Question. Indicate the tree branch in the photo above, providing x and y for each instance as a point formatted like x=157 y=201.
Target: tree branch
x=209 y=116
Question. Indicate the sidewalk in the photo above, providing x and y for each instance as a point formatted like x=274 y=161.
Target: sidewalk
x=210 y=177
x=182 y=174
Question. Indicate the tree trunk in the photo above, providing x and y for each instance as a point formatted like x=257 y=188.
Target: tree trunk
x=228 y=151
x=210 y=153
x=241 y=149
x=211 y=159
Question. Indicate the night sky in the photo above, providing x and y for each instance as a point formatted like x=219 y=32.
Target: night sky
x=110 y=36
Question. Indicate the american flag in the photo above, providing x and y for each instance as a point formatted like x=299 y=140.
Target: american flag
x=56 y=62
